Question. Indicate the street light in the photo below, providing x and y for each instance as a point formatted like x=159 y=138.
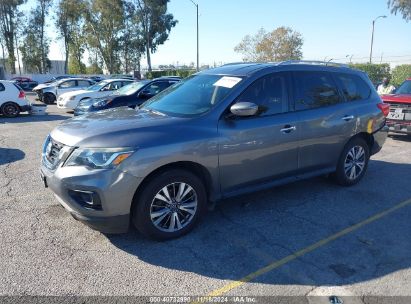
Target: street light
x=198 y=44
x=372 y=36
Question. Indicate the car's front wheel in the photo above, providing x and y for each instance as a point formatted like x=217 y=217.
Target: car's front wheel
x=10 y=109
x=169 y=205
x=353 y=162
x=49 y=98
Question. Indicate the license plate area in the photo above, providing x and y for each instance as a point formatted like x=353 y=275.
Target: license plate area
x=397 y=115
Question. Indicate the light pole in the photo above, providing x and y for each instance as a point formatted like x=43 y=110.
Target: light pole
x=372 y=35
x=198 y=42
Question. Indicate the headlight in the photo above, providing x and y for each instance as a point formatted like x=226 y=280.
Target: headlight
x=101 y=103
x=98 y=158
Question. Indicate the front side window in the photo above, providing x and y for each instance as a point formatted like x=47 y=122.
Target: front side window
x=269 y=93
x=314 y=90
x=157 y=87
x=115 y=85
x=193 y=96
x=68 y=84
x=353 y=87
x=2 y=88
x=405 y=88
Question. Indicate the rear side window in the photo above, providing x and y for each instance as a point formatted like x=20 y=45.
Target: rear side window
x=68 y=84
x=314 y=90
x=83 y=83
x=353 y=87
x=269 y=93
x=2 y=88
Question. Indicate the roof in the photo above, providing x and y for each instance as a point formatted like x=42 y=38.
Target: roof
x=246 y=69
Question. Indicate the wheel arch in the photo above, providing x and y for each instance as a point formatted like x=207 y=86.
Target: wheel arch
x=195 y=168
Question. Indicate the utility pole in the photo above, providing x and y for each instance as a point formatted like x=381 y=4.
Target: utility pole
x=372 y=35
x=198 y=41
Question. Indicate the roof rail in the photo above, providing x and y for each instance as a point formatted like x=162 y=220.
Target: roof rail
x=314 y=62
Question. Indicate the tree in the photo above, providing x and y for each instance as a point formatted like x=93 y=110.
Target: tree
x=400 y=73
x=376 y=72
x=401 y=6
x=281 y=44
x=132 y=42
x=156 y=24
x=104 y=22
x=35 y=46
x=69 y=22
x=8 y=20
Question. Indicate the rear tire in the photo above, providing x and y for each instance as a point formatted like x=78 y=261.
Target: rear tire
x=49 y=98
x=10 y=109
x=169 y=205
x=353 y=162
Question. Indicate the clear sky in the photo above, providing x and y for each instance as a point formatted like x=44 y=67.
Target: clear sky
x=331 y=28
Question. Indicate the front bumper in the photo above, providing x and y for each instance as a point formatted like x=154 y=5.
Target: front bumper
x=399 y=126
x=114 y=188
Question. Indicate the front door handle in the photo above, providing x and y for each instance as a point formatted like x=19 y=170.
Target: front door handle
x=288 y=129
x=348 y=117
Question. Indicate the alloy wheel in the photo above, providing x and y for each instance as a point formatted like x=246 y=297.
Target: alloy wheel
x=354 y=162
x=173 y=207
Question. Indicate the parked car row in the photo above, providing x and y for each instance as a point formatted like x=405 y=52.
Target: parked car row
x=219 y=133
x=399 y=118
x=12 y=99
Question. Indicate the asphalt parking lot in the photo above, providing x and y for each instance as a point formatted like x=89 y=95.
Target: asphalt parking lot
x=300 y=239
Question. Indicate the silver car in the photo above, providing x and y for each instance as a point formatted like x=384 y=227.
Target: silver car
x=220 y=133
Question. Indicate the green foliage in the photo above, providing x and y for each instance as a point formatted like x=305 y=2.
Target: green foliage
x=401 y=6
x=75 y=66
x=400 y=73
x=94 y=69
x=281 y=44
x=9 y=13
x=376 y=72
x=156 y=24
x=181 y=73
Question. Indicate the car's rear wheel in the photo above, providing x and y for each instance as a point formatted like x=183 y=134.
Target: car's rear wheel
x=169 y=205
x=353 y=162
x=49 y=98
x=10 y=109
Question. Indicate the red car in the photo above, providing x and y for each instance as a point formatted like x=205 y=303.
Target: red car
x=399 y=118
x=21 y=79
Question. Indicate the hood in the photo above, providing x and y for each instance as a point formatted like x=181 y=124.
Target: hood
x=42 y=86
x=397 y=98
x=115 y=128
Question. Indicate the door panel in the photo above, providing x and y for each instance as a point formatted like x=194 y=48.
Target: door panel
x=262 y=147
x=326 y=120
x=252 y=150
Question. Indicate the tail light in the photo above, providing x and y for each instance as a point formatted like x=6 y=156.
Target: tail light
x=21 y=94
x=385 y=108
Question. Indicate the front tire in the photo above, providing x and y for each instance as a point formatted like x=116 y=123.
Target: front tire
x=353 y=162
x=49 y=98
x=170 y=205
x=10 y=109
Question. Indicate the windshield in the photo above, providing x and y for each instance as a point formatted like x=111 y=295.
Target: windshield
x=131 y=88
x=97 y=86
x=192 y=96
x=405 y=88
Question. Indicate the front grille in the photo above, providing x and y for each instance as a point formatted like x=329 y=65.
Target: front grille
x=53 y=153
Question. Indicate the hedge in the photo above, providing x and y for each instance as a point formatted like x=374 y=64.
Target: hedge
x=376 y=72
x=400 y=73
x=181 y=73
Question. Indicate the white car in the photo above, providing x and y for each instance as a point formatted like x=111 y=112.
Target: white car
x=50 y=92
x=12 y=99
x=99 y=90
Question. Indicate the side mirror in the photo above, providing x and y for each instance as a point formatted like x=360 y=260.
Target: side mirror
x=244 y=109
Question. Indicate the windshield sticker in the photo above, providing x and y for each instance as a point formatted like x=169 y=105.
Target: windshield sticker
x=227 y=82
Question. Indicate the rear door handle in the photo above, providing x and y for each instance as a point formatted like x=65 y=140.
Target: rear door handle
x=348 y=117
x=288 y=129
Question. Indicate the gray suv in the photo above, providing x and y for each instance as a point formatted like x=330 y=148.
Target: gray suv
x=220 y=133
